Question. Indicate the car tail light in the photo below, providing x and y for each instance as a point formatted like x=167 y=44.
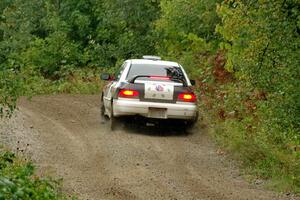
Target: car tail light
x=187 y=97
x=126 y=93
x=160 y=77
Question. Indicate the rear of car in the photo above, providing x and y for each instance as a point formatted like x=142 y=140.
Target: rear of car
x=153 y=89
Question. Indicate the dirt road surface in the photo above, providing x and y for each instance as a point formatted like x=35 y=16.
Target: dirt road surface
x=64 y=136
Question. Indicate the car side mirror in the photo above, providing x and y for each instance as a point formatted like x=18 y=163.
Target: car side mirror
x=193 y=82
x=105 y=77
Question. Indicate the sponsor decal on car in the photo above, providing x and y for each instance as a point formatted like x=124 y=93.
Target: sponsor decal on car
x=159 y=91
x=159 y=88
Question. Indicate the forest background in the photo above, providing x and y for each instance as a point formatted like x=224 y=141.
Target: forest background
x=244 y=55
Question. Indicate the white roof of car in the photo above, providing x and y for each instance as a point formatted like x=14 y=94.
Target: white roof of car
x=153 y=62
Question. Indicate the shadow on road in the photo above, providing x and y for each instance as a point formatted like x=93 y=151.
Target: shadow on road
x=162 y=128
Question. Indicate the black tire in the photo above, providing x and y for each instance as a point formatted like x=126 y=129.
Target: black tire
x=102 y=108
x=103 y=117
x=189 y=125
x=113 y=121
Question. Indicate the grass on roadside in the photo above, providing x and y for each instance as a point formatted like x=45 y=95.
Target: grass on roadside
x=18 y=180
x=81 y=81
x=264 y=152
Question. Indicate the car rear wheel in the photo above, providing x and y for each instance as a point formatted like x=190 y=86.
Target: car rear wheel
x=189 y=125
x=102 y=112
x=102 y=108
x=113 y=121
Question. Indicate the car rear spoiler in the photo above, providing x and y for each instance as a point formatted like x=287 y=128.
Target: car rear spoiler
x=147 y=76
x=139 y=76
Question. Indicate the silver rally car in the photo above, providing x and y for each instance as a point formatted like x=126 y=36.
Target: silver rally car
x=151 y=88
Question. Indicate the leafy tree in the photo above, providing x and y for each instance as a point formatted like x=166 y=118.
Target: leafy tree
x=187 y=32
x=125 y=29
x=262 y=42
x=49 y=39
x=263 y=46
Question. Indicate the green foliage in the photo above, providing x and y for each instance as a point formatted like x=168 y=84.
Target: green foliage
x=263 y=52
x=244 y=54
x=186 y=31
x=17 y=180
x=53 y=57
x=125 y=29
x=10 y=90
x=181 y=17
x=79 y=81
x=260 y=43
x=45 y=43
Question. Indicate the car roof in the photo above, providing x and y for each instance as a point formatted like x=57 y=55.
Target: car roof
x=153 y=62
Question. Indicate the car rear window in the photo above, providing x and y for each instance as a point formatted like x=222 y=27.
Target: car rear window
x=154 y=70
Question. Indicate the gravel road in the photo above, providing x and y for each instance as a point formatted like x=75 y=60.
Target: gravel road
x=64 y=136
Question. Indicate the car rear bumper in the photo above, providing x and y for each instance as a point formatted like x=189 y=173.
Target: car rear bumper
x=129 y=107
